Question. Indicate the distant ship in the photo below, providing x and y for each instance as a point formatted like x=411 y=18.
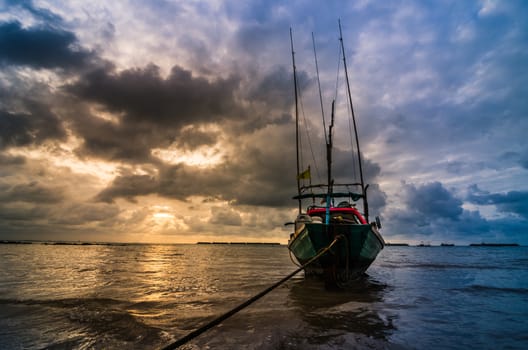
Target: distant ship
x=494 y=244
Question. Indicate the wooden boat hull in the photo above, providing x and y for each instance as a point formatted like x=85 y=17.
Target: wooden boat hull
x=348 y=259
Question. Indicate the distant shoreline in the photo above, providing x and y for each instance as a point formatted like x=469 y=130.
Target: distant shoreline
x=80 y=243
x=454 y=245
x=494 y=245
x=66 y=243
x=241 y=243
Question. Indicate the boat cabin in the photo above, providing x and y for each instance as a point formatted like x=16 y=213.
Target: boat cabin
x=340 y=214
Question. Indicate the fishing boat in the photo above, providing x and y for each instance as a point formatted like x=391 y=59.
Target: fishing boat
x=331 y=236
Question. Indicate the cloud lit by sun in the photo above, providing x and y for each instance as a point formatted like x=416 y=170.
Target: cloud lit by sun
x=162 y=216
x=203 y=157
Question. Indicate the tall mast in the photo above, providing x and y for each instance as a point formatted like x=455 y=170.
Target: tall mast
x=329 y=146
x=319 y=85
x=296 y=120
x=363 y=188
x=329 y=167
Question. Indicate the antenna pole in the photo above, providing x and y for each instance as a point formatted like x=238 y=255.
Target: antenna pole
x=363 y=188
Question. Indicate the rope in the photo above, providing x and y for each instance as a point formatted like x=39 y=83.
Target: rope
x=248 y=302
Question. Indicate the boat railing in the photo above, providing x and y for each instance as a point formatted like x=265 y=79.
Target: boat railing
x=325 y=186
x=352 y=195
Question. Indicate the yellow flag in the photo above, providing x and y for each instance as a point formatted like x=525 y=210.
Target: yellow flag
x=305 y=175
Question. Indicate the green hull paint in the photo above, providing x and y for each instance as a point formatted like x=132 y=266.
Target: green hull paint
x=354 y=252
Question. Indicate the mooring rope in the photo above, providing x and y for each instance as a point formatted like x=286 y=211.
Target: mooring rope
x=248 y=302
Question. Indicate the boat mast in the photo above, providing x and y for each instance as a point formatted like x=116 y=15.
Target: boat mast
x=329 y=151
x=363 y=188
x=296 y=120
x=329 y=166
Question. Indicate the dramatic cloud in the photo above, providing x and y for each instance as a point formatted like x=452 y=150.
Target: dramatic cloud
x=44 y=47
x=142 y=95
x=433 y=201
x=225 y=216
x=174 y=121
x=33 y=127
x=511 y=202
x=30 y=193
x=257 y=174
x=428 y=209
x=433 y=212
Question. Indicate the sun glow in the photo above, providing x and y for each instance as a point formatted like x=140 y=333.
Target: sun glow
x=63 y=156
x=201 y=146
x=204 y=157
x=162 y=216
x=162 y=213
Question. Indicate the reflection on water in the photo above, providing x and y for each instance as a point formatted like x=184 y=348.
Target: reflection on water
x=330 y=313
x=145 y=296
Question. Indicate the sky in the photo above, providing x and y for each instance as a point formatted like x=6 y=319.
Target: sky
x=173 y=121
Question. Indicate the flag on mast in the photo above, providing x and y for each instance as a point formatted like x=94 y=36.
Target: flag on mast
x=305 y=175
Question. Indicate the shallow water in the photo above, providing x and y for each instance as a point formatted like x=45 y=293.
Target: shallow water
x=146 y=296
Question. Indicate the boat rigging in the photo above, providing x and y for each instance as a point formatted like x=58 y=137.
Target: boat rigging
x=360 y=241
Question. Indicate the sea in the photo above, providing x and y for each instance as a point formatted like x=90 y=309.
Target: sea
x=141 y=296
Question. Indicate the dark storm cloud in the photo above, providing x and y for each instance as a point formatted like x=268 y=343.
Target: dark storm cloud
x=177 y=181
x=142 y=95
x=12 y=216
x=377 y=199
x=257 y=175
x=37 y=12
x=150 y=111
x=191 y=138
x=260 y=174
x=132 y=142
x=429 y=209
x=45 y=221
x=524 y=159
x=225 y=216
x=275 y=89
x=84 y=213
x=115 y=141
x=512 y=202
x=345 y=165
x=346 y=170
x=128 y=187
x=32 y=192
x=41 y=47
x=433 y=200
x=35 y=126
x=7 y=160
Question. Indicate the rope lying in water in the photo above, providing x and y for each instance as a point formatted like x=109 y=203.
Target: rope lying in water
x=248 y=302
